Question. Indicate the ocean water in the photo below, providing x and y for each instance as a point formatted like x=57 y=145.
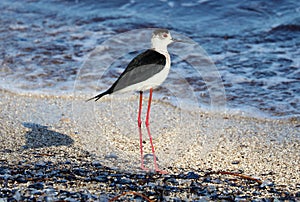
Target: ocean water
x=255 y=46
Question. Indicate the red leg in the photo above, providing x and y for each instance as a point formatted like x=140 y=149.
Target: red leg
x=149 y=106
x=149 y=134
x=140 y=109
x=140 y=130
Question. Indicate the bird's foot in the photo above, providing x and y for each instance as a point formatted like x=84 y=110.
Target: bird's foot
x=160 y=171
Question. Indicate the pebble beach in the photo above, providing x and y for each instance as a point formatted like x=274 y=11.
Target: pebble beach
x=49 y=151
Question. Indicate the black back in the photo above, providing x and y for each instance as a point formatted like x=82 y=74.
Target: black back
x=141 y=68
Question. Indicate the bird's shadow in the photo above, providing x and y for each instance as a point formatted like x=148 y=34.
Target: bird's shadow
x=40 y=137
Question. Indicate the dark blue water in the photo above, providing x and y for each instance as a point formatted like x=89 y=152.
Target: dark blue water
x=254 y=44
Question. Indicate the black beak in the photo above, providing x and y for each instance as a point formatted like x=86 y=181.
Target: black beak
x=182 y=41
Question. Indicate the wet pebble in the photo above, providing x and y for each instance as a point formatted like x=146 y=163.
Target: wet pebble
x=111 y=156
x=192 y=175
x=96 y=164
x=235 y=162
x=101 y=178
x=171 y=180
x=124 y=180
x=85 y=179
x=37 y=185
x=20 y=178
x=266 y=183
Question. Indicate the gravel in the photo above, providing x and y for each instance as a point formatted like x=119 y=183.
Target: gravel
x=44 y=157
x=52 y=175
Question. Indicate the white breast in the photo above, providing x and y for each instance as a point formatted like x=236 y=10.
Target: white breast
x=154 y=81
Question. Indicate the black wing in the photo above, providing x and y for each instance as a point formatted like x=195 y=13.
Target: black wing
x=141 y=68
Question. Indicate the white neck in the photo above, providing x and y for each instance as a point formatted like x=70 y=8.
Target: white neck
x=159 y=46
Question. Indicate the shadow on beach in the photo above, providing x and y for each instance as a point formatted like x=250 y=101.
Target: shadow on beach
x=40 y=137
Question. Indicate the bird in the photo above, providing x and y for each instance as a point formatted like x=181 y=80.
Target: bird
x=146 y=71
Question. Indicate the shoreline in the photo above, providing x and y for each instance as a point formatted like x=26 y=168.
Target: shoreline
x=58 y=129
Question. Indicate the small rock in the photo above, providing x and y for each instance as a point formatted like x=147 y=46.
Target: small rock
x=111 y=156
x=68 y=162
x=101 y=178
x=211 y=189
x=37 y=185
x=96 y=164
x=124 y=180
x=40 y=164
x=235 y=162
x=266 y=183
x=21 y=179
x=171 y=180
x=79 y=171
x=17 y=196
x=192 y=175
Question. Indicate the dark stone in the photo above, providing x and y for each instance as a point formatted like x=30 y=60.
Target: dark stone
x=21 y=179
x=96 y=164
x=192 y=175
x=101 y=178
x=37 y=185
x=124 y=180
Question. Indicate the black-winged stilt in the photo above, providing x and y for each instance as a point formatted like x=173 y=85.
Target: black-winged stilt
x=146 y=71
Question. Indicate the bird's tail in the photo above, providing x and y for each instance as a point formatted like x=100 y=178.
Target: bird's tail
x=97 y=97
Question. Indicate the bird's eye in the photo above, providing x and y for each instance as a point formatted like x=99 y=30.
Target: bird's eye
x=165 y=35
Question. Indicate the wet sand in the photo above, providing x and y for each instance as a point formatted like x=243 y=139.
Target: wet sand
x=67 y=131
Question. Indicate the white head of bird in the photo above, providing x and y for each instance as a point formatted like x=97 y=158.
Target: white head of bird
x=161 y=38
